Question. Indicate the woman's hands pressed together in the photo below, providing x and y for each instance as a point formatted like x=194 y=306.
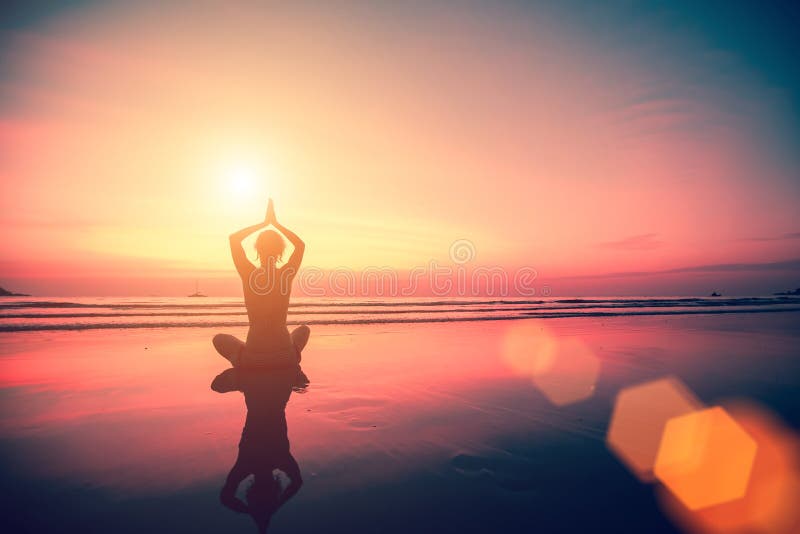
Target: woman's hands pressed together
x=270 y=217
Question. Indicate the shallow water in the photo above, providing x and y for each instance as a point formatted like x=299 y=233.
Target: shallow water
x=423 y=427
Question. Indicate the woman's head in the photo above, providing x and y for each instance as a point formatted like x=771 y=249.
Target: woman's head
x=262 y=499
x=269 y=244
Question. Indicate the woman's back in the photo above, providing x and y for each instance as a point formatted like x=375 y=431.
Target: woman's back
x=266 y=297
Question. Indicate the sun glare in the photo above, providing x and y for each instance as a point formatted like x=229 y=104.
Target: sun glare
x=240 y=180
x=244 y=183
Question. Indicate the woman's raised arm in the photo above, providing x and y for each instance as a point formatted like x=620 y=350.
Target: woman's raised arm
x=243 y=265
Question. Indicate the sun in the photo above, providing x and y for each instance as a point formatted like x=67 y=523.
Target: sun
x=245 y=182
x=240 y=180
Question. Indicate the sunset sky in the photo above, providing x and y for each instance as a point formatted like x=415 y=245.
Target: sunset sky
x=645 y=148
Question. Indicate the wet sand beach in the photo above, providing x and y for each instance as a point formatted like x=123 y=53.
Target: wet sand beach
x=405 y=427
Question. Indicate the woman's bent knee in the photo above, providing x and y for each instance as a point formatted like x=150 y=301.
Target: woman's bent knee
x=218 y=341
x=300 y=336
x=228 y=346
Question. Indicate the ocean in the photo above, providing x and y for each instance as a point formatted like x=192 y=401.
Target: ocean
x=45 y=313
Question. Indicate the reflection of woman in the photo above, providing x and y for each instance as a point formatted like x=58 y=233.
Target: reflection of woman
x=266 y=296
x=264 y=447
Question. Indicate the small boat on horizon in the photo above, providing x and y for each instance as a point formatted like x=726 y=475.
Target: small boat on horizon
x=196 y=291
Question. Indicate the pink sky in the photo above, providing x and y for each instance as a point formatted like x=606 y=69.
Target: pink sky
x=133 y=140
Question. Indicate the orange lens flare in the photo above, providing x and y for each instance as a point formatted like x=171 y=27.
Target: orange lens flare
x=705 y=458
x=770 y=504
x=565 y=370
x=638 y=420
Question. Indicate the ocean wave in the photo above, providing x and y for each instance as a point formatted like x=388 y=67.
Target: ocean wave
x=404 y=307
x=212 y=304
x=353 y=308
x=392 y=320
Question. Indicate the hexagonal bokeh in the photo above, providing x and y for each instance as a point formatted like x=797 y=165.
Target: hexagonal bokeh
x=638 y=420
x=565 y=370
x=770 y=503
x=705 y=458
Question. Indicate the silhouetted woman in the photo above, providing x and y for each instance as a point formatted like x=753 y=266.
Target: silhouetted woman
x=266 y=295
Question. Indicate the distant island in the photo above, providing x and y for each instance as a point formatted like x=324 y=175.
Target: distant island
x=790 y=292
x=715 y=294
x=6 y=293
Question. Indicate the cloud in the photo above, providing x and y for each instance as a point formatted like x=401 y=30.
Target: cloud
x=636 y=242
x=777 y=266
x=737 y=267
x=783 y=237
